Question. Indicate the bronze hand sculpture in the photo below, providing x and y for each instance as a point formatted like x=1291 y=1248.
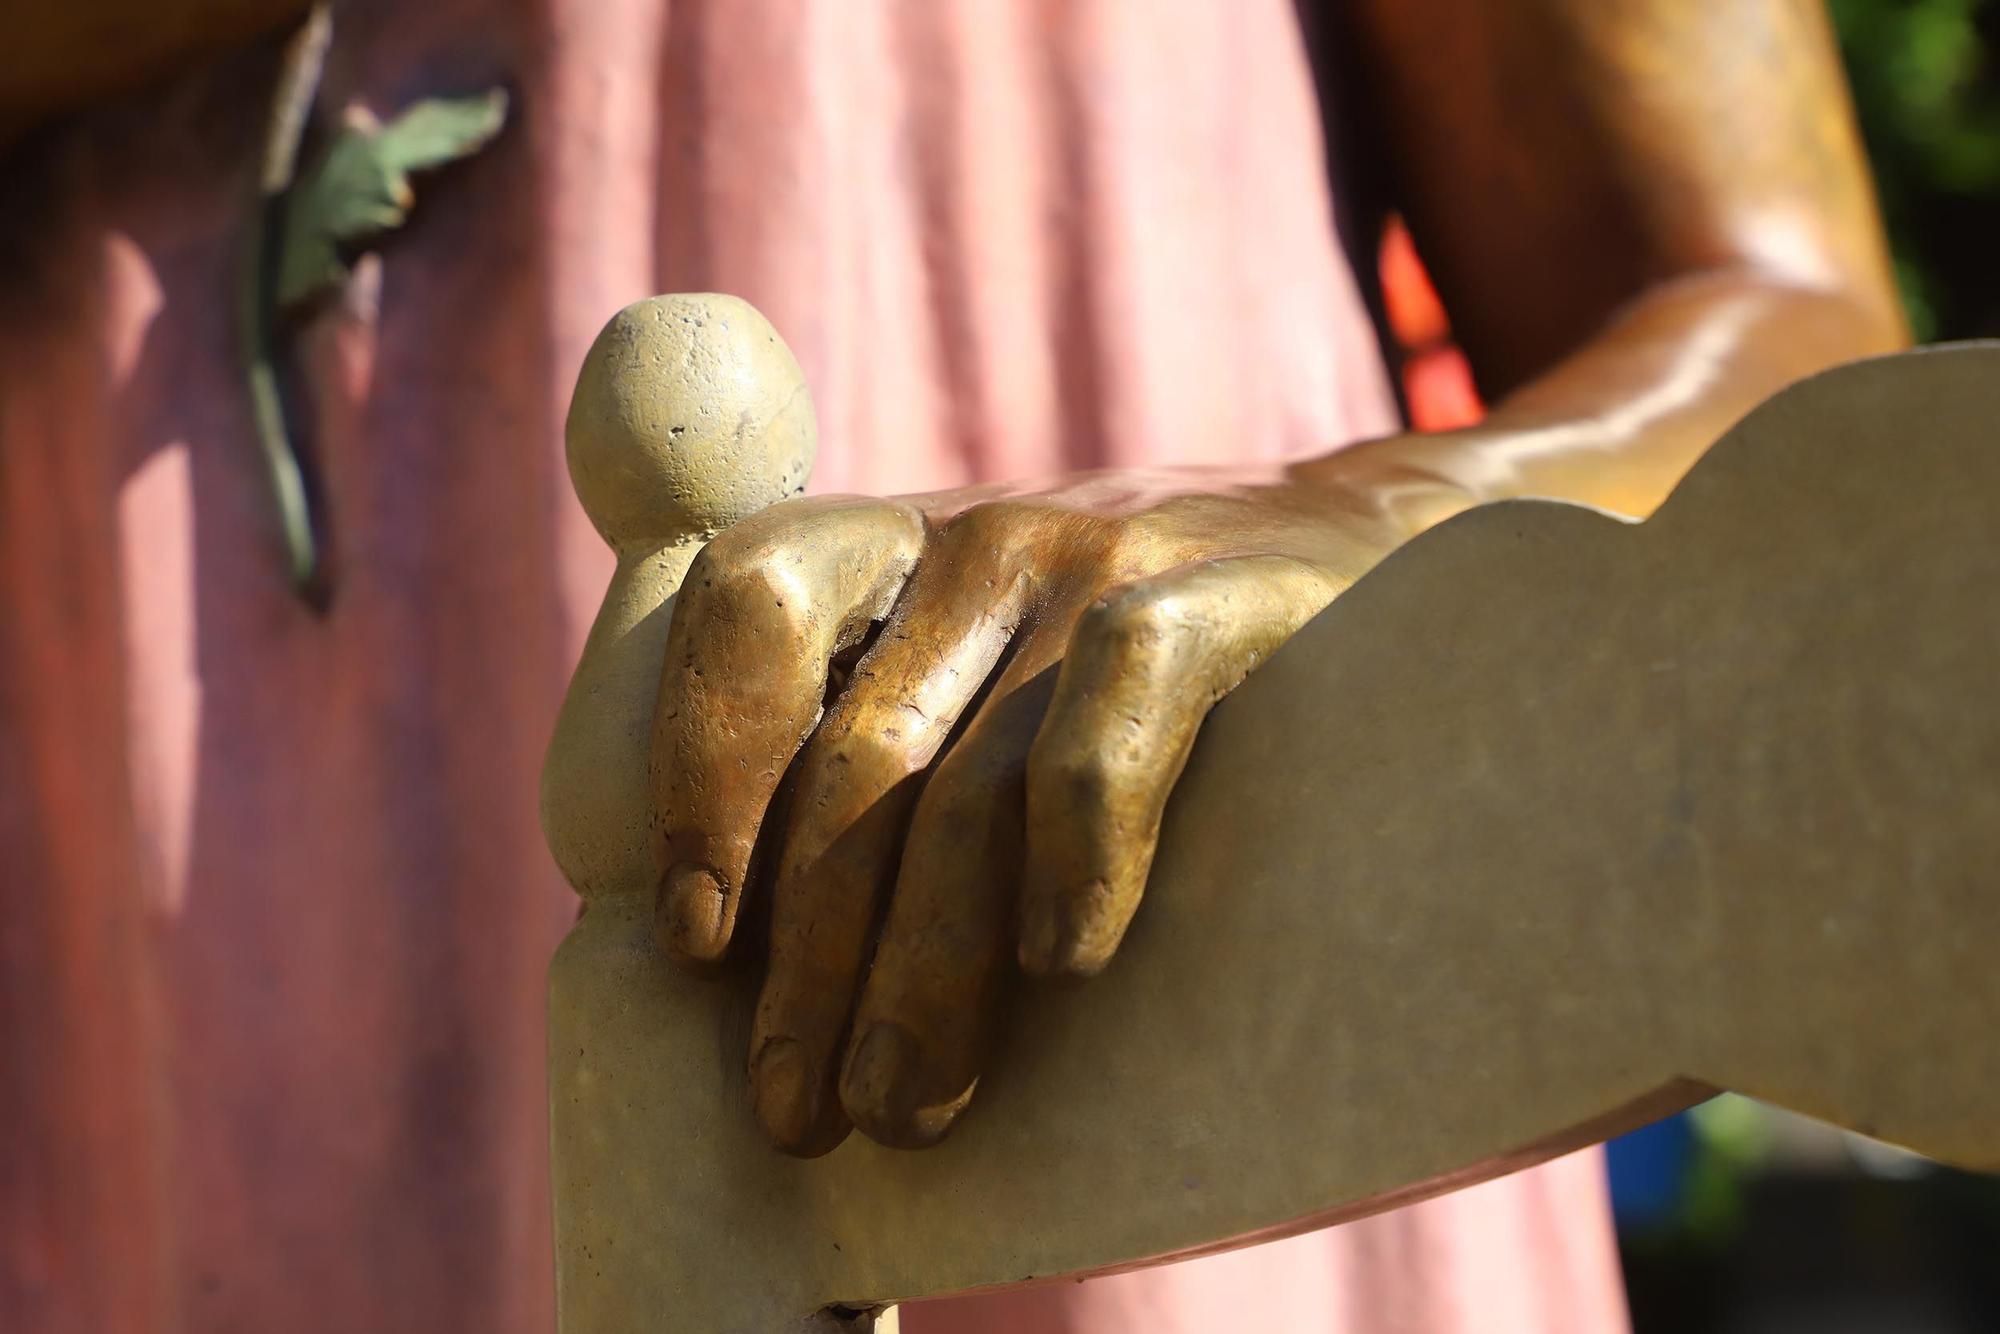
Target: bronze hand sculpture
x=1645 y=218
x=1065 y=642
x=1620 y=814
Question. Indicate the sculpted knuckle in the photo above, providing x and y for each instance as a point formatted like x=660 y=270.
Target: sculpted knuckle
x=773 y=534
x=1139 y=541
x=732 y=548
x=1076 y=777
x=1135 y=622
x=738 y=573
x=982 y=527
x=761 y=568
x=1001 y=530
x=702 y=571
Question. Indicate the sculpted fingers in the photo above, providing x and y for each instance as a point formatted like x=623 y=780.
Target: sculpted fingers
x=925 y=1019
x=764 y=609
x=856 y=782
x=1146 y=663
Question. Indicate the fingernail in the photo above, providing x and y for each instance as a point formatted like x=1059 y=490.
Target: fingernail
x=687 y=917
x=784 y=1090
x=879 y=1085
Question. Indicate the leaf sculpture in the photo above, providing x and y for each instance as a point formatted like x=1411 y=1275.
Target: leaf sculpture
x=309 y=230
x=360 y=188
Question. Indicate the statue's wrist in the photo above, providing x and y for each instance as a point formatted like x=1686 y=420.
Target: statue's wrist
x=1416 y=481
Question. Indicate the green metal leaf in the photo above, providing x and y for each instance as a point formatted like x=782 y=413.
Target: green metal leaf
x=360 y=187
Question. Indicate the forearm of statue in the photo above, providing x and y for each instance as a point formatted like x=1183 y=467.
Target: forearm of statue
x=1617 y=423
x=1644 y=218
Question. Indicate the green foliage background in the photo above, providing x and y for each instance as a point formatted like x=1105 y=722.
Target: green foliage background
x=1926 y=78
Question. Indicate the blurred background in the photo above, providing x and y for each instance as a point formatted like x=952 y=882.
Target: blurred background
x=1926 y=77
x=1926 y=80
x=1735 y=1218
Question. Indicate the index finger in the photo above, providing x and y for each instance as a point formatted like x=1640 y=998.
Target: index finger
x=764 y=609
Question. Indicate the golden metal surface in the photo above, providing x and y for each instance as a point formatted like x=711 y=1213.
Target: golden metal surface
x=1549 y=824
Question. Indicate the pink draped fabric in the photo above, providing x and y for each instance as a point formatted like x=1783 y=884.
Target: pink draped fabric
x=274 y=910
